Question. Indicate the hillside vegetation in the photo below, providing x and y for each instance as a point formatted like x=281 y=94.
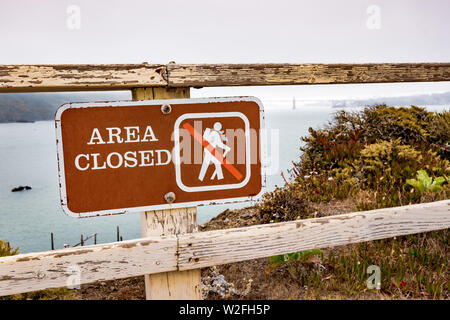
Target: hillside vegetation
x=378 y=157
x=17 y=107
x=369 y=156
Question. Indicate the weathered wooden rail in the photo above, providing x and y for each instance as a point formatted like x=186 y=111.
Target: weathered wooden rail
x=171 y=252
x=40 y=78
x=151 y=255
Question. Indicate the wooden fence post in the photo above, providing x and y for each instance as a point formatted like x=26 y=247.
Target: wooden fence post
x=51 y=240
x=174 y=285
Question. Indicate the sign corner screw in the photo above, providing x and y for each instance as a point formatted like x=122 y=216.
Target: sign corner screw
x=166 y=108
x=169 y=197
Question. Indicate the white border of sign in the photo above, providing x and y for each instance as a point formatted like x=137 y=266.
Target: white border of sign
x=127 y=103
x=176 y=133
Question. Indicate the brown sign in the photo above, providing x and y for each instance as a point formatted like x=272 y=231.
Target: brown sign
x=127 y=156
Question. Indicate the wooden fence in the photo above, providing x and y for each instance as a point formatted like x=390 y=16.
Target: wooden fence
x=34 y=271
x=40 y=78
x=171 y=252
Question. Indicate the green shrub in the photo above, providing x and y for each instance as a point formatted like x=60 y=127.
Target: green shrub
x=389 y=123
x=329 y=148
x=377 y=149
x=339 y=143
x=385 y=167
x=283 y=204
x=425 y=183
x=438 y=128
x=6 y=250
x=389 y=163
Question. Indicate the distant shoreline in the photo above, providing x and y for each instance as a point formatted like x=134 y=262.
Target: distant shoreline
x=23 y=121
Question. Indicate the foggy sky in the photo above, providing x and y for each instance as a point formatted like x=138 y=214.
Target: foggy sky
x=230 y=31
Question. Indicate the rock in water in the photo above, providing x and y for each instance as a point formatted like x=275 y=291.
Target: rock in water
x=20 y=188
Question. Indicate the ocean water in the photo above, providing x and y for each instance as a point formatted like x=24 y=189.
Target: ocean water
x=28 y=157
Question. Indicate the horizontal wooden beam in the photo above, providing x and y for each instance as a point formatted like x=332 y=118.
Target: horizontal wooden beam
x=210 y=248
x=45 y=78
x=217 y=75
x=59 y=268
x=35 y=271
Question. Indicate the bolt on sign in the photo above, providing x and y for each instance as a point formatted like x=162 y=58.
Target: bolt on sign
x=117 y=157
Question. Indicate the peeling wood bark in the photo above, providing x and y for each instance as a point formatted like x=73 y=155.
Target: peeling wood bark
x=216 y=75
x=232 y=245
x=45 y=78
x=52 y=269
x=42 y=78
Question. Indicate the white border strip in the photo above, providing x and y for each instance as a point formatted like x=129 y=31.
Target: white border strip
x=127 y=103
x=177 y=163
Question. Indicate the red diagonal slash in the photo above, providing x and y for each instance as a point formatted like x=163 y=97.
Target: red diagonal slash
x=197 y=136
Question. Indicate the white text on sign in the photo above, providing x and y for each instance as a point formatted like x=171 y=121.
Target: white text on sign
x=129 y=159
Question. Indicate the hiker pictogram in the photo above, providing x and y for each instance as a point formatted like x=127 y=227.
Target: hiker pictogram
x=211 y=139
x=213 y=150
x=216 y=139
